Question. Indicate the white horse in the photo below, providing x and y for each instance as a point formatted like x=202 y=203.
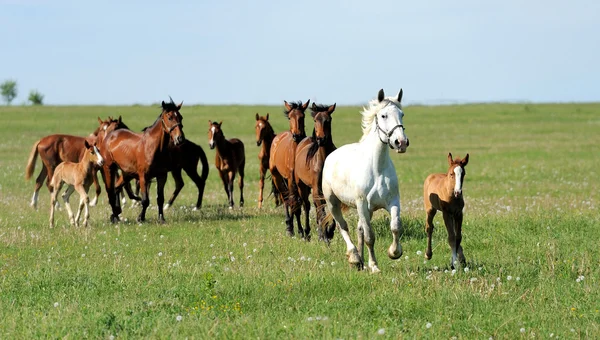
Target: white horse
x=361 y=175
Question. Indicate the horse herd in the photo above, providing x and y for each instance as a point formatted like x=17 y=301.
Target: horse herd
x=359 y=175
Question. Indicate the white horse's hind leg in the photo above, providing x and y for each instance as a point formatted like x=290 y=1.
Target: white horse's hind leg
x=395 y=250
x=351 y=251
x=364 y=225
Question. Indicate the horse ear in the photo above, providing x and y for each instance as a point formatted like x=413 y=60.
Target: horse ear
x=119 y=119
x=314 y=107
x=179 y=106
x=267 y=116
x=257 y=116
x=380 y=95
x=209 y=122
x=100 y=121
x=450 y=158
x=87 y=145
x=163 y=104
x=220 y=123
x=331 y=109
x=287 y=106
x=400 y=96
x=465 y=161
x=305 y=105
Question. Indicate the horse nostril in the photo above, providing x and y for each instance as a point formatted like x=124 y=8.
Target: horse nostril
x=407 y=142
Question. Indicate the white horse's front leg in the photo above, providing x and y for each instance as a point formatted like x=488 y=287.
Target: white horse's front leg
x=395 y=250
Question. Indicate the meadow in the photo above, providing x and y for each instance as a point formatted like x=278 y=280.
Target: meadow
x=530 y=235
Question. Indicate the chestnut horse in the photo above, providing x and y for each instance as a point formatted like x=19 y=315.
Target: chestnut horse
x=310 y=157
x=143 y=156
x=55 y=149
x=230 y=159
x=264 y=139
x=443 y=192
x=78 y=176
x=282 y=161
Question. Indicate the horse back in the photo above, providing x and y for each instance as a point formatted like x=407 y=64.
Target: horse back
x=436 y=195
x=54 y=149
x=238 y=150
x=122 y=147
x=283 y=151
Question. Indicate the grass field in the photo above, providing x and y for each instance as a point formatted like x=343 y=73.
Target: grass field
x=531 y=235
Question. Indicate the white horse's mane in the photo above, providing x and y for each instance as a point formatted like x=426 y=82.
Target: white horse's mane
x=369 y=113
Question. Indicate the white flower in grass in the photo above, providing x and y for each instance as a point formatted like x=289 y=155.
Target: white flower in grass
x=522 y=330
x=466 y=269
x=435 y=268
x=82 y=255
x=245 y=244
x=518 y=278
x=428 y=325
x=162 y=236
x=333 y=263
x=406 y=257
x=160 y=253
x=453 y=271
x=232 y=259
x=56 y=304
x=508 y=278
x=254 y=250
x=211 y=245
x=310 y=318
x=179 y=318
x=419 y=252
x=111 y=337
x=381 y=331
x=473 y=279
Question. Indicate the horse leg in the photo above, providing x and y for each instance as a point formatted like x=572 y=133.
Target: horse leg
x=241 y=182
x=429 y=230
x=97 y=186
x=160 y=196
x=50 y=172
x=281 y=188
x=224 y=179
x=335 y=207
x=230 y=180
x=449 y=222
x=66 y=195
x=304 y=191
x=53 y=195
x=83 y=203
x=395 y=249
x=39 y=181
x=144 y=186
x=458 y=218
x=108 y=175
x=178 y=186
x=261 y=185
x=200 y=183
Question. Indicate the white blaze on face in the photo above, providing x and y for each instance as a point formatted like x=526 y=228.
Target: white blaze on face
x=212 y=135
x=100 y=160
x=458 y=171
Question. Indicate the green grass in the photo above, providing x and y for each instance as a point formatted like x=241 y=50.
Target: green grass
x=531 y=192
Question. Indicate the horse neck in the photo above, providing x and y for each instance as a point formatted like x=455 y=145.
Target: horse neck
x=223 y=146
x=86 y=165
x=268 y=139
x=380 y=152
x=156 y=137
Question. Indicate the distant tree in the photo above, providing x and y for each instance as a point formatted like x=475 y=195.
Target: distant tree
x=8 y=90
x=36 y=98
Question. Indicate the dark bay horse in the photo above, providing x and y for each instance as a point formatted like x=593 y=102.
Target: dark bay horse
x=55 y=149
x=264 y=139
x=282 y=162
x=230 y=159
x=443 y=192
x=143 y=156
x=310 y=157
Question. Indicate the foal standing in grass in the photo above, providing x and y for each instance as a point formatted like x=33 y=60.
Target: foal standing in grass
x=443 y=192
x=78 y=176
x=230 y=158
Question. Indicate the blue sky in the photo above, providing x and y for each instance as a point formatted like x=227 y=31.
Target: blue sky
x=262 y=52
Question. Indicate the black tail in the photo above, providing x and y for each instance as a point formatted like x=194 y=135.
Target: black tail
x=204 y=161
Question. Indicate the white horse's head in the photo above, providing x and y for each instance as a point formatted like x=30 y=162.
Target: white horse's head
x=385 y=116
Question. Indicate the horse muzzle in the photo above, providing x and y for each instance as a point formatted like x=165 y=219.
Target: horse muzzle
x=258 y=142
x=458 y=193
x=320 y=141
x=297 y=137
x=400 y=145
x=211 y=145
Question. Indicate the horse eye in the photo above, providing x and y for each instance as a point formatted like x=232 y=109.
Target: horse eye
x=384 y=116
x=170 y=118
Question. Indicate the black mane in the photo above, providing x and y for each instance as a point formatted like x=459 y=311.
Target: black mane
x=293 y=106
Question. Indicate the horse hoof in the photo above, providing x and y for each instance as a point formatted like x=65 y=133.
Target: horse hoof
x=353 y=257
x=394 y=254
x=166 y=206
x=114 y=219
x=428 y=255
x=375 y=269
x=231 y=207
x=140 y=219
x=195 y=209
x=290 y=233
